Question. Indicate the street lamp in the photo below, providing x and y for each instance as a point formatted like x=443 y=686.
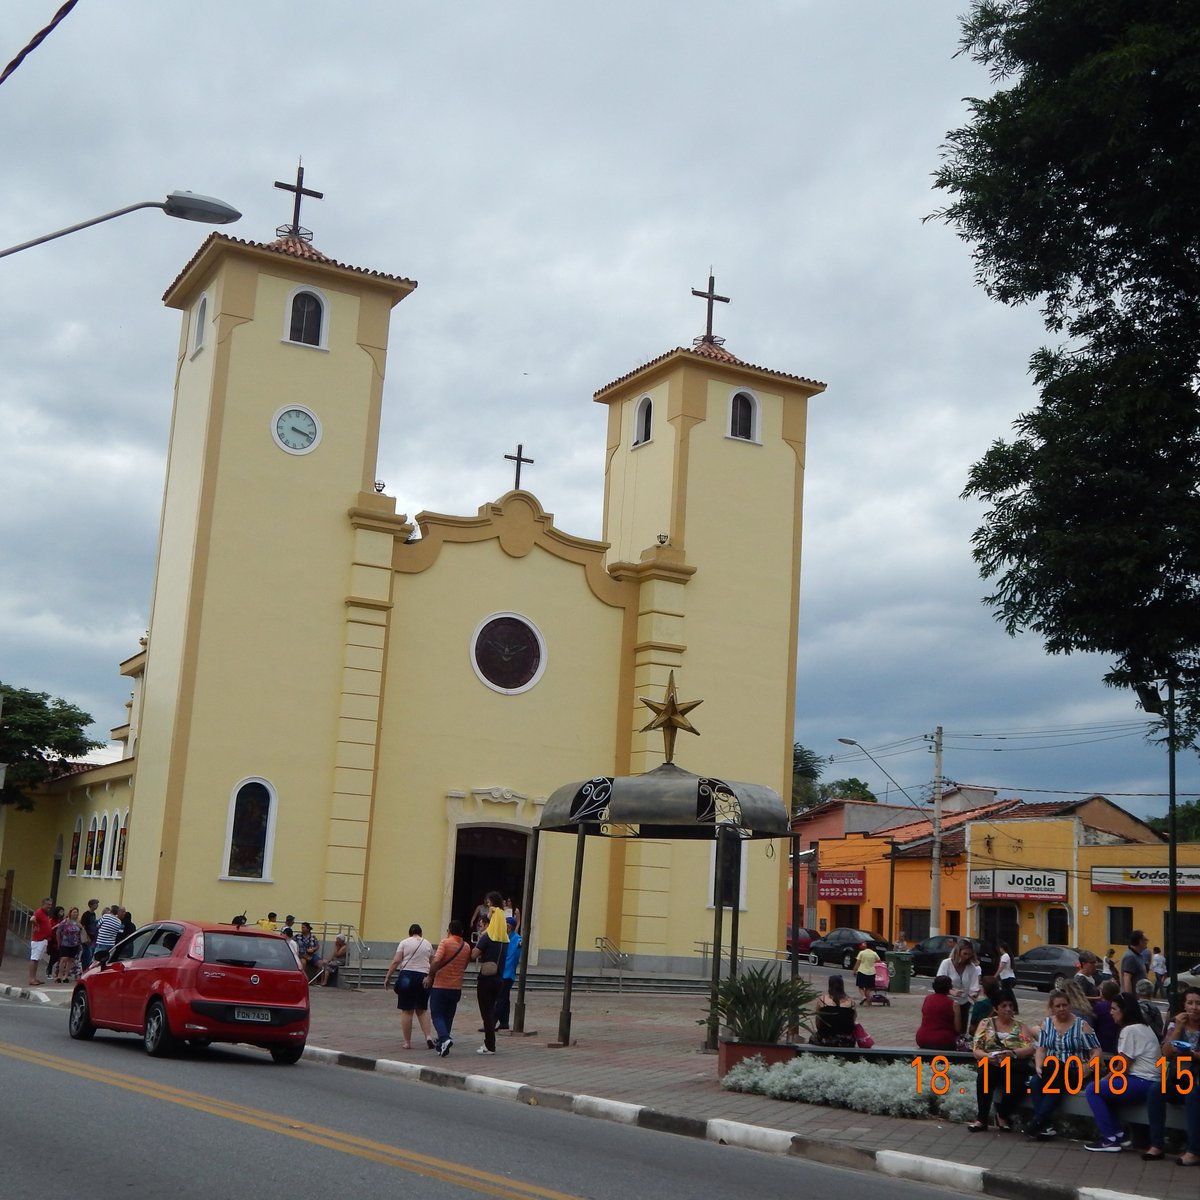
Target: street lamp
x=935 y=864
x=188 y=206
x=1152 y=702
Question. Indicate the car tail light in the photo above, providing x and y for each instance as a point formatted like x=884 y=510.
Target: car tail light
x=196 y=949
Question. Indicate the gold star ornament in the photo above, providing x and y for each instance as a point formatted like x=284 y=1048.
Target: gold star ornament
x=670 y=716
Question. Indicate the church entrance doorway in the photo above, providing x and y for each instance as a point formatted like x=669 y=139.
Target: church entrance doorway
x=487 y=859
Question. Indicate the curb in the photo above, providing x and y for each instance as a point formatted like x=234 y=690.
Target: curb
x=24 y=993
x=895 y=1163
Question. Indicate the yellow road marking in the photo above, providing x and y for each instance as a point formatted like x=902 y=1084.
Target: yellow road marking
x=333 y=1139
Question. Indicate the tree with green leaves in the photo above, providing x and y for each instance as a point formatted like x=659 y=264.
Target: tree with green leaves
x=1077 y=183
x=40 y=736
x=807 y=766
x=847 y=789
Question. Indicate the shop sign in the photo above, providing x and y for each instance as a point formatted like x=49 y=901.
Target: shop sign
x=841 y=885
x=1144 y=879
x=1029 y=884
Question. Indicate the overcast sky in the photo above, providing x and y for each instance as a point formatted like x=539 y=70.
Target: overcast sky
x=558 y=177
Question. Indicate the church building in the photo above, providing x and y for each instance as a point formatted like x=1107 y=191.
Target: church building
x=353 y=716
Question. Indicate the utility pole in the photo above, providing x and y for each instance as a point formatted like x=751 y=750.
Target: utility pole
x=935 y=865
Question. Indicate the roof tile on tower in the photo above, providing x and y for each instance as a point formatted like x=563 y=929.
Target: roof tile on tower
x=710 y=351
x=292 y=247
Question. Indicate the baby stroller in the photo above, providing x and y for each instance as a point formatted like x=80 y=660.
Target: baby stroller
x=883 y=982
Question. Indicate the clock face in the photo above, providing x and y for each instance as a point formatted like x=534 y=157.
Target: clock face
x=508 y=653
x=296 y=430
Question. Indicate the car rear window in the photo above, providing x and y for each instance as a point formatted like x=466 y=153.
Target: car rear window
x=248 y=950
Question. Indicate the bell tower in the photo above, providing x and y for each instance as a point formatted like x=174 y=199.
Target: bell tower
x=273 y=442
x=703 y=507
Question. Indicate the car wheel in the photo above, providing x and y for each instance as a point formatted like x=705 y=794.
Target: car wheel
x=848 y=960
x=79 y=1023
x=287 y=1055
x=1057 y=982
x=156 y=1033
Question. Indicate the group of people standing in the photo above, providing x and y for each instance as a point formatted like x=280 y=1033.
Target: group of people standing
x=69 y=941
x=428 y=981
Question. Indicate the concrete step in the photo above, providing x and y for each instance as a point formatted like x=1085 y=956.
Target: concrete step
x=543 y=980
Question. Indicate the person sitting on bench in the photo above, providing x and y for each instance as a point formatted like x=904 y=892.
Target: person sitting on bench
x=836 y=1017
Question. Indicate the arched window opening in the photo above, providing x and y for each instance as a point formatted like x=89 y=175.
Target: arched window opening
x=741 y=417
x=119 y=865
x=643 y=421
x=250 y=830
x=101 y=838
x=307 y=311
x=201 y=321
x=89 y=853
x=76 y=839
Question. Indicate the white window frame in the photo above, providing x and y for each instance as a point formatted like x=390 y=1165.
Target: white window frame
x=323 y=300
x=268 y=849
x=644 y=404
x=755 y=438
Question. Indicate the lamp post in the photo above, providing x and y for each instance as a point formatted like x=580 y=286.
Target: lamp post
x=1152 y=702
x=187 y=206
x=935 y=865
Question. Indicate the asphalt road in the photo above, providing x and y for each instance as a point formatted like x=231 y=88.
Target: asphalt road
x=104 y=1118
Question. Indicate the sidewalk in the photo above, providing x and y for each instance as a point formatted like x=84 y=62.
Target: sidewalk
x=643 y=1052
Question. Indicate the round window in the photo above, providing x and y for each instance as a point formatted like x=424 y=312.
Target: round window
x=508 y=653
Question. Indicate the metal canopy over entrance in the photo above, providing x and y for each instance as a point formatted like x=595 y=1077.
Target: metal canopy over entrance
x=667 y=804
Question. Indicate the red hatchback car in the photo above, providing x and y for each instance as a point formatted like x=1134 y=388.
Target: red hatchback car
x=179 y=981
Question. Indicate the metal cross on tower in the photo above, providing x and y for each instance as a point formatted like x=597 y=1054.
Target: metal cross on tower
x=518 y=458
x=712 y=298
x=295 y=229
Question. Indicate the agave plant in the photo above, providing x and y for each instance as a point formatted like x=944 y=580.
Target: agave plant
x=759 y=1004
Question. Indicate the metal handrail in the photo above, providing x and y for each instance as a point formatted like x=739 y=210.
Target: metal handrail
x=611 y=953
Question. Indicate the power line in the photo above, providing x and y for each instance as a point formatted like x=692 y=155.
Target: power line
x=37 y=39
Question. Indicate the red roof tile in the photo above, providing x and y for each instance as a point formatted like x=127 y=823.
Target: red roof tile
x=292 y=247
x=707 y=350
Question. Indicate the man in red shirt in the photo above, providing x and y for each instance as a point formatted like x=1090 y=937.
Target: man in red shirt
x=39 y=939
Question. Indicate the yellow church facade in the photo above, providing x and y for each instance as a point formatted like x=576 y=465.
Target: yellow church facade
x=356 y=718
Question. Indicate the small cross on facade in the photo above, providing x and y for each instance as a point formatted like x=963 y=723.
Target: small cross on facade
x=518 y=458
x=712 y=298
x=295 y=229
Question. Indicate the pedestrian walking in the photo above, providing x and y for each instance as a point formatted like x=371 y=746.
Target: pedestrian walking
x=410 y=965
x=444 y=982
x=489 y=951
x=1158 y=971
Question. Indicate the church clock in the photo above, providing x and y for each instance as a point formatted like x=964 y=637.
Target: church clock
x=296 y=429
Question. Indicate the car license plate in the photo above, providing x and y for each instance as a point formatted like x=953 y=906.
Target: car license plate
x=262 y=1015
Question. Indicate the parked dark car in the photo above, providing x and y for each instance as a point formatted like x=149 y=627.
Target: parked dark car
x=928 y=955
x=841 y=946
x=801 y=942
x=1046 y=967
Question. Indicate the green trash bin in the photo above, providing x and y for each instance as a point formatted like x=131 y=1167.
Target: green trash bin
x=900 y=967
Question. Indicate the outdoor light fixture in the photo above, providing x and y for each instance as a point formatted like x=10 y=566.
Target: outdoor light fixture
x=188 y=206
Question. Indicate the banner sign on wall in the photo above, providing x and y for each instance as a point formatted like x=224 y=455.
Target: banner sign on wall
x=841 y=885
x=1144 y=879
x=1025 y=884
